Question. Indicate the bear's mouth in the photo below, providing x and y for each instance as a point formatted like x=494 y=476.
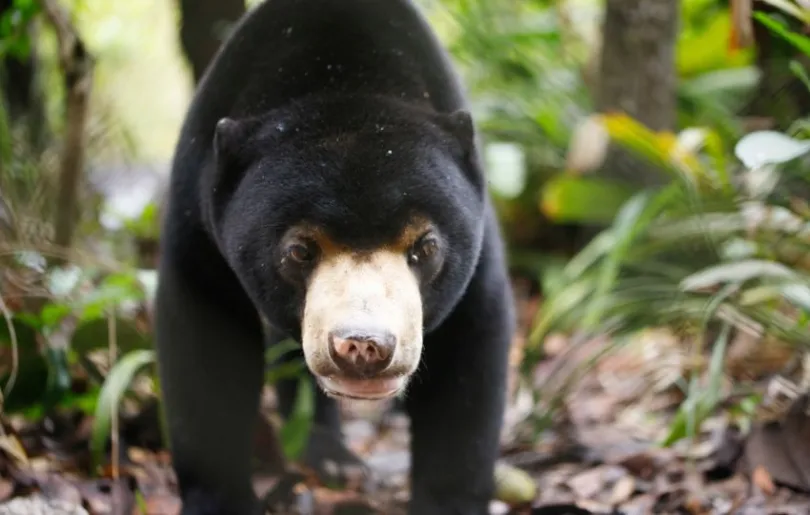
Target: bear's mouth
x=362 y=389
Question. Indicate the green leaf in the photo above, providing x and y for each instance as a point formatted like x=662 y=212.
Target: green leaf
x=799 y=71
x=275 y=352
x=701 y=401
x=114 y=290
x=704 y=50
x=798 y=294
x=792 y=8
x=282 y=371
x=53 y=313
x=563 y=302
x=738 y=272
x=629 y=222
x=145 y=225
x=59 y=380
x=114 y=388
x=583 y=199
x=799 y=41
x=722 y=81
x=86 y=402
x=552 y=277
x=761 y=148
x=30 y=319
x=716 y=367
x=655 y=147
x=14 y=23
x=94 y=334
x=294 y=433
x=588 y=257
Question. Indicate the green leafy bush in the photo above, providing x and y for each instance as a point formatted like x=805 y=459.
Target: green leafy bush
x=723 y=246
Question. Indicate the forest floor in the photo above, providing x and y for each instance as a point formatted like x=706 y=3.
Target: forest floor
x=604 y=457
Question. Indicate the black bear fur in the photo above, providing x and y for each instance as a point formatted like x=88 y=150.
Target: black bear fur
x=348 y=114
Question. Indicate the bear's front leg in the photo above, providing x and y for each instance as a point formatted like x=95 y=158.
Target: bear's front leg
x=456 y=403
x=210 y=362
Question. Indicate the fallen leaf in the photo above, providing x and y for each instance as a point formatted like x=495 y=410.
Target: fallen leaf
x=622 y=490
x=695 y=506
x=587 y=484
x=12 y=447
x=162 y=504
x=642 y=465
x=513 y=485
x=783 y=447
x=762 y=479
x=6 y=489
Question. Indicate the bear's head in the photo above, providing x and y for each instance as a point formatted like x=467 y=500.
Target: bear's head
x=354 y=225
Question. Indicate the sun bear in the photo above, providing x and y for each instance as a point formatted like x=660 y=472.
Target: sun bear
x=327 y=181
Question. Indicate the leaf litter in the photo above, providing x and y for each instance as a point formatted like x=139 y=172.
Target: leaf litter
x=601 y=453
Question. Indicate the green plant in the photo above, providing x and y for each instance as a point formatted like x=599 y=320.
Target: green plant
x=294 y=432
x=115 y=386
x=14 y=23
x=529 y=67
x=64 y=327
x=722 y=244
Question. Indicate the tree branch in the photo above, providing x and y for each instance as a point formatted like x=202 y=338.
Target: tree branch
x=77 y=68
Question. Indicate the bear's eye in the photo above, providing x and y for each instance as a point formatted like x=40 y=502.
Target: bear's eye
x=302 y=252
x=425 y=248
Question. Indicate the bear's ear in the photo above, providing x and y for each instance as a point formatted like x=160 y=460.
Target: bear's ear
x=230 y=140
x=460 y=124
x=232 y=153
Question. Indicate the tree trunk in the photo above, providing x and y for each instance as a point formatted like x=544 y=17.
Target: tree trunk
x=77 y=67
x=637 y=76
x=203 y=28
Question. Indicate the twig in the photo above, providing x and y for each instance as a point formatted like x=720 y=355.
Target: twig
x=15 y=353
x=77 y=67
x=7 y=222
x=114 y=444
x=81 y=259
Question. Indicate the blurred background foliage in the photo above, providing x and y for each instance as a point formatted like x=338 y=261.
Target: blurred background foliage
x=713 y=250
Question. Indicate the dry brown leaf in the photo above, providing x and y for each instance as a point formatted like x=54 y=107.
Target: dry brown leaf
x=162 y=504
x=6 y=489
x=642 y=465
x=329 y=502
x=14 y=449
x=763 y=480
x=587 y=484
x=555 y=344
x=622 y=490
x=751 y=357
x=138 y=455
x=783 y=448
x=697 y=506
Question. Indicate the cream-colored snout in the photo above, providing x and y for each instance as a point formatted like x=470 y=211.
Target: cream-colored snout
x=362 y=324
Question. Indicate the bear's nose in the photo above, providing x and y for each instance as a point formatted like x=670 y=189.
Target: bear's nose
x=361 y=352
